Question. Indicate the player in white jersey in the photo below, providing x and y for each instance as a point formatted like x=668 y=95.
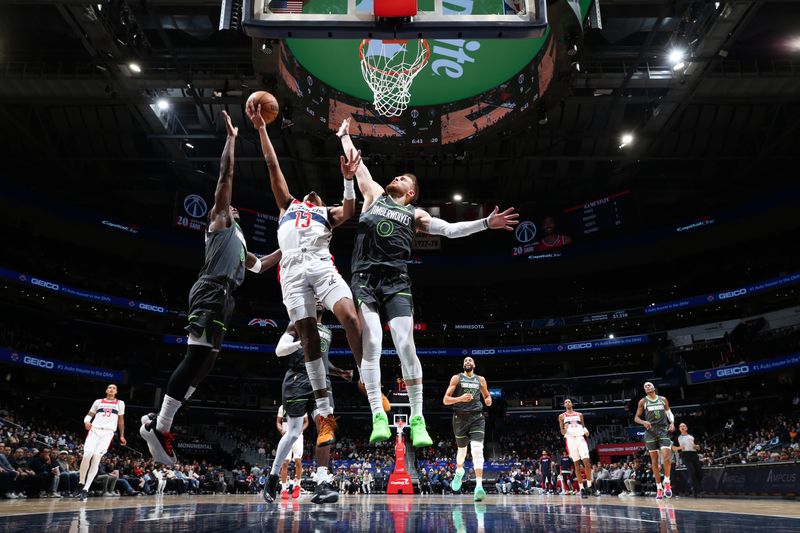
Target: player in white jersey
x=307 y=271
x=102 y=420
x=295 y=455
x=574 y=430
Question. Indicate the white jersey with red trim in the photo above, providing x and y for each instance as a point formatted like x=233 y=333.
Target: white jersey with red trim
x=573 y=425
x=304 y=228
x=107 y=413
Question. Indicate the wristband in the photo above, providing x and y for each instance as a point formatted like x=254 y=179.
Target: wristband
x=256 y=268
x=349 y=189
x=486 y=223
x=87 y=419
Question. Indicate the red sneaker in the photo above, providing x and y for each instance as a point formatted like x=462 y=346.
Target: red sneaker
x=284 y=494
x=668 y=490
x=660 y=494
x=296 y=491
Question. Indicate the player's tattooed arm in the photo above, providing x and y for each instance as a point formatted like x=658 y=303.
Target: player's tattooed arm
x=339 y=214
x=277 y=181
x=639 y=413
x=487 y=398
x=368 y=187
x=224 y=191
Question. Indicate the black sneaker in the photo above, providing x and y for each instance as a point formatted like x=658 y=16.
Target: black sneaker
x=83 y=496
x=271 y=488
x=159 y=444
x=324 y=493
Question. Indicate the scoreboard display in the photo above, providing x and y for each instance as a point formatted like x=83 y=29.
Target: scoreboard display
x=597 y=216
x=260 y=230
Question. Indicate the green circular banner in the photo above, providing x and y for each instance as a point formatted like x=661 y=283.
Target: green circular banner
x=456 y=69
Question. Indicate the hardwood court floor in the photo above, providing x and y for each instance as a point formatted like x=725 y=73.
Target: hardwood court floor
x=401 y=514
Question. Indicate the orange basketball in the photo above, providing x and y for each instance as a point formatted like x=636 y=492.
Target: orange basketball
x=269 y=105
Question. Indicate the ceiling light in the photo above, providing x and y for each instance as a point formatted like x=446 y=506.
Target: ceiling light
x=794 y=44
x=610 y=335
x=162 y=104
x=680 y=65
x=135 y=68
x=457 y=197
x=676 y=55
x=626 y=139
x=188 y=145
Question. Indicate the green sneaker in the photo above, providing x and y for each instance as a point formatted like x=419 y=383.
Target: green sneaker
x=380 y=428
x=480 y=494
x=458 y=521
x=456 y=484
x=419 y=434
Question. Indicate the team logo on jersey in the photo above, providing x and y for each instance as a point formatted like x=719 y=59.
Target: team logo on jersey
x=263 y=322
x=385 y=228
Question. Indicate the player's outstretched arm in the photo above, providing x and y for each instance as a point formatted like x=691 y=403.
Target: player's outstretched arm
x=349 y=166
x=277 y=180
x=368 y=187
x=259 y=265
x=224 y=191
x=453 y=230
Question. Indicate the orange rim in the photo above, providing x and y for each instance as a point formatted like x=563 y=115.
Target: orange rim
x=396 y=41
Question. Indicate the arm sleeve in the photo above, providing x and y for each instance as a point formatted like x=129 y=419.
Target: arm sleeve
x=286 y=345
x=456 y=229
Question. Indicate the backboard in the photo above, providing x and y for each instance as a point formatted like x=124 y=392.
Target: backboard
x=434 y=19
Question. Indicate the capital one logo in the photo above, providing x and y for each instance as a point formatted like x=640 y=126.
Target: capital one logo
x=525 y=232
x=731 y=294
x=41 y=363
x=579 y=346
x=195 y=206
x=733 y=371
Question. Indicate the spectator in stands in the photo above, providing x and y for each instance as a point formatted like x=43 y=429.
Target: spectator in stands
x=68 y=482
x=503 y=483
x=106 y=478
x=424 y=483
x=40 y=464
x=8 y=476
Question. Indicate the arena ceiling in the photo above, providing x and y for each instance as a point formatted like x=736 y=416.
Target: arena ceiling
x=76 y=121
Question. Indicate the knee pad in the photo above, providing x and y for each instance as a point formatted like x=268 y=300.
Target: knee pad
x=477 y=453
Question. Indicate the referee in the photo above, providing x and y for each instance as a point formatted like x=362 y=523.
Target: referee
x=688 y=449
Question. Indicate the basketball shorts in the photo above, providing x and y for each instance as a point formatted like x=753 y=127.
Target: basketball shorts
x=388 y=290
x=211 y=305
x=306 y=277
x=577 y=448
x=97 y=442
x=468 y=427
x=298 y=395
x=657 y=437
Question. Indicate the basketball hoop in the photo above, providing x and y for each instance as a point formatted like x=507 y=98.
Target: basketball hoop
x=389 y=68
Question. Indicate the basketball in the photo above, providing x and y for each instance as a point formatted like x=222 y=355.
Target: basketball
x=269 y=105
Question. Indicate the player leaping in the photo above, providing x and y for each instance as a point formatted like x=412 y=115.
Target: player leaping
x=380 y=281
x=574 y=430
x=211 y=304
x=307 y=270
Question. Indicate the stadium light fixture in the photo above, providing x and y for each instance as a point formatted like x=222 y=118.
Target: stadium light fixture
x=162 y=104
x=626 y=139
x=794 y=44
x=135 y=68
x=610 y=335
x=676 y=55
x=457 y=197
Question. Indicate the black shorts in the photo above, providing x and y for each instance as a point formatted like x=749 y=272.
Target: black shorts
x=298 y=395
x=388 y=290
x=657 y=437
x=468 y=426
x=211 y=305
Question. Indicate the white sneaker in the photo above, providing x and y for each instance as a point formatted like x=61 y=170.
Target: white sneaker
x=10 y=495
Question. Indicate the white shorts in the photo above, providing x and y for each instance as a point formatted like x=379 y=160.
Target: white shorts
x=97 y=442
x=306 y=277
x=577 y=447
x=297 y=449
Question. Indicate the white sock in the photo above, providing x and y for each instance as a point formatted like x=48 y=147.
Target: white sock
x=460 y=470
x=322 y=474
x=169 y=407
x=666 y=480
x=189 y=393
x=478 y=482
x=317 y=376
x=658 y=486
x=371 y=340
x=415 y=399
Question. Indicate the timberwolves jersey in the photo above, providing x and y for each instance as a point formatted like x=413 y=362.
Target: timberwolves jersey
x=468 y=385
x=304 y=226
x=226 y=251
x=655 y=411
x=297 y=359
x=385 y=232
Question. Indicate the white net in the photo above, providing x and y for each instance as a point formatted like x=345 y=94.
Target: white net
x=389 y=68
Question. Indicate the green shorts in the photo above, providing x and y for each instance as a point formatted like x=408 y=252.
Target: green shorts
x=657 y=437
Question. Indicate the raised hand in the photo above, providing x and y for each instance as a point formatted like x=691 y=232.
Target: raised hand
x=254 y=114
x=350 y=166
x=232 y=131
x=505 y=220
x=344 y=129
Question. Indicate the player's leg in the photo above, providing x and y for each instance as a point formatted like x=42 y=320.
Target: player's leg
x=656 y=471
x=324 y=491
x=293 y=431
x=372 y=338
x=666 y=456
x=399 y=312
x=462 y=440
x=477 y=431
x=284 y=478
